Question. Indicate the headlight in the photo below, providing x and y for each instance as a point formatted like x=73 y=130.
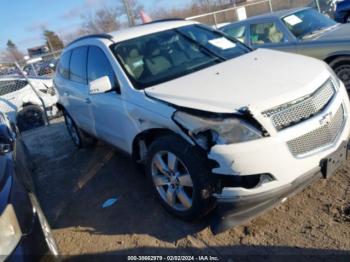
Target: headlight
x=335 y=78
x=10 y=232
x=223 y=130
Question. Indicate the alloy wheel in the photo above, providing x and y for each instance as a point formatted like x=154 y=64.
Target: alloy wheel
x=172 y=180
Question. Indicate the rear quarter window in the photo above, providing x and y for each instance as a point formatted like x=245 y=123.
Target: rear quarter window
x=63 y=66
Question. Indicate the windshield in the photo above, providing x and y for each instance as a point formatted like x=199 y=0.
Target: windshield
x=307 y=22
x=166 y=55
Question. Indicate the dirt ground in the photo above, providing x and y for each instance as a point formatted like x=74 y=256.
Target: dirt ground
x=73 y=184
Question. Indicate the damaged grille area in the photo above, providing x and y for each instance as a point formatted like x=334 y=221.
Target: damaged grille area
x=318 y=138
x=294 y=112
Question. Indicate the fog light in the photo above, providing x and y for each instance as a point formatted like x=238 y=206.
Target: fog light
x=265 y=178
x=10 y=232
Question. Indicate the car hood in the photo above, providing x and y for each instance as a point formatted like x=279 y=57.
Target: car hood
x=340 y=32
x=261 y=79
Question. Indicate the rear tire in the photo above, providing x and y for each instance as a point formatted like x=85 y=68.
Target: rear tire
x=79 y=137
x=183 y=186
x=341 y=66
x=30 y=117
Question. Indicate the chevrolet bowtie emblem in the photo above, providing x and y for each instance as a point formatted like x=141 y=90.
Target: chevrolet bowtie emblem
x=326 y=119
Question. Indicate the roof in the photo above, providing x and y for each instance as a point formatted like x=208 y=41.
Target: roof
x=276 y=14
x=140 y=30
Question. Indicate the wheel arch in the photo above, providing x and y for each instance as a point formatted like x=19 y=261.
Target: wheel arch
x=24 y=105
x=143 y=140
x=336 y=55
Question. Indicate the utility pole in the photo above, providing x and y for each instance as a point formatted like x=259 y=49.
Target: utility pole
x=129 y=13
x=318 y=5
x=49 y=43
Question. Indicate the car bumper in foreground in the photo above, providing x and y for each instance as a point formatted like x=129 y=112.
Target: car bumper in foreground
x=232 y=212
x=235 y=210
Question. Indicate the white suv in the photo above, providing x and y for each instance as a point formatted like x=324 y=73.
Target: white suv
x=213 y=121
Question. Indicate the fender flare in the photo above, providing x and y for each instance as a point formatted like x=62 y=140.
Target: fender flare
x=336 y=54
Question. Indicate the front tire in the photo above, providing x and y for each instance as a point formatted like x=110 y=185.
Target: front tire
x=341 y=67
x=180 y=177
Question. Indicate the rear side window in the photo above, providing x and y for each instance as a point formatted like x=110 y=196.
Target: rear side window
x=265 y=33
x=9 y=86
x=63 y=68
x=99 y=66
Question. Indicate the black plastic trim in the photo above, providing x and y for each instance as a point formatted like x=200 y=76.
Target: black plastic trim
x=104 y=36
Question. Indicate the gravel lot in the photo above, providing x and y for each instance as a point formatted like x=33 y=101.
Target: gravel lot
x=73 y=184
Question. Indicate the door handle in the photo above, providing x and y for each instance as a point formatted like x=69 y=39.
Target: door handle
x=65 y=93
x=87 y=100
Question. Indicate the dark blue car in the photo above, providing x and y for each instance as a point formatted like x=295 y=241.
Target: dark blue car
x=342 y=11
x=24 y=232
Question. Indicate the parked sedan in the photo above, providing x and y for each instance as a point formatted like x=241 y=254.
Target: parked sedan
x=304 y=31
x=24 y=232
x=342 y=11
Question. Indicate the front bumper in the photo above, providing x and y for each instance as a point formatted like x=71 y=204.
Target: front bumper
x=235 y=211
x=272 y=156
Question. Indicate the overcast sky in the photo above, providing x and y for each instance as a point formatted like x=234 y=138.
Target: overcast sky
x=22 y=21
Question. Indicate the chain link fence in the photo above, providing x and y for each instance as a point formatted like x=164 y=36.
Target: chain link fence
x=28 y=100
x=257 y=7
x=38 y=66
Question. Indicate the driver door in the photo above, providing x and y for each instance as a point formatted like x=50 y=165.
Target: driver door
x=107 y=108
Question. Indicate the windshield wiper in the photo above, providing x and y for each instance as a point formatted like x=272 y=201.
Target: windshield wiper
x=318 y=31
x=202 y=47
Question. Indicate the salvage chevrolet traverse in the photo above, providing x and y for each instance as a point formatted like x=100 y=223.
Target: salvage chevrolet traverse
x=213 y=122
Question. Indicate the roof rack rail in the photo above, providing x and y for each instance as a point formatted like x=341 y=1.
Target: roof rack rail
x=105 y=36
x=164 y=20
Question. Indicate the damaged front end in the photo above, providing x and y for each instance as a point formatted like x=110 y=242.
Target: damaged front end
x=209 y=130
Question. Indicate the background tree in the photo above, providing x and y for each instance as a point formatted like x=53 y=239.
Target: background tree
x=12 y=53
x=53 y=41
x=103 y=20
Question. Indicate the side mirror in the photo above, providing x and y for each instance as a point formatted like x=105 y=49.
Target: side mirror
x=100 y=85
x=7 y=140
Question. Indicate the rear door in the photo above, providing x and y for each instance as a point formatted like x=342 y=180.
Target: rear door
x=77 y=90
x=61 y=80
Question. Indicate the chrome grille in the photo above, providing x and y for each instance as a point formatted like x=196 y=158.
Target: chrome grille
x=320 y=137
x=294 y=112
